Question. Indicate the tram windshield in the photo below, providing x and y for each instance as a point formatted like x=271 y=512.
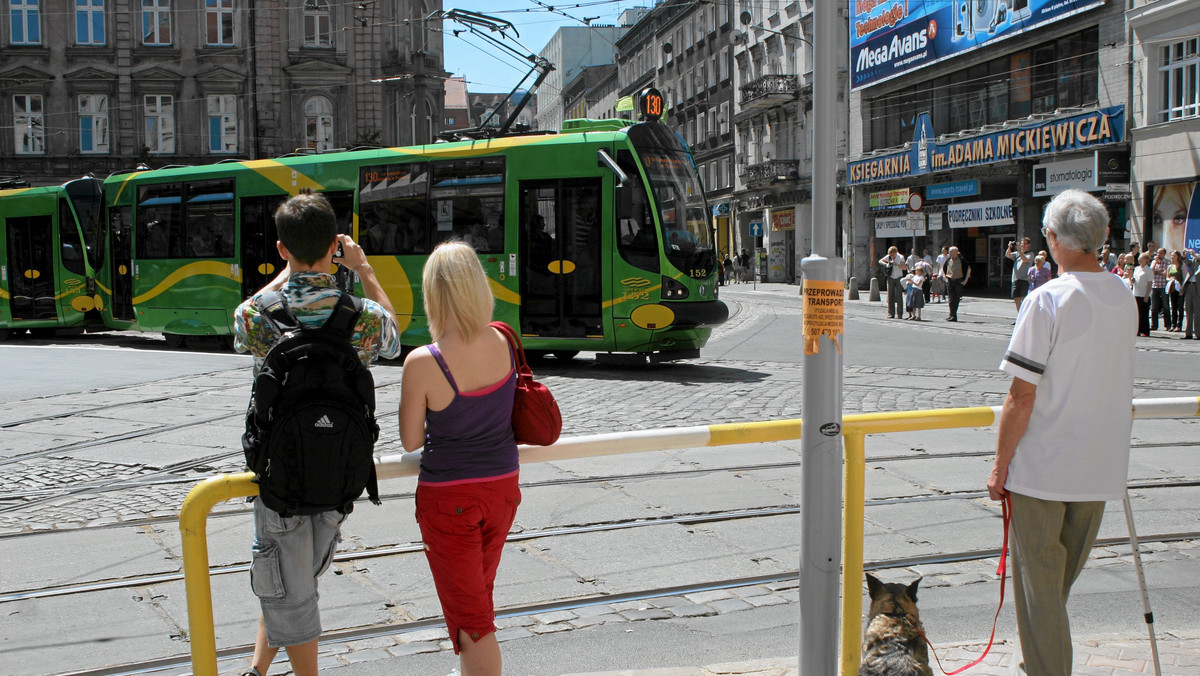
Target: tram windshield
x=687 y=236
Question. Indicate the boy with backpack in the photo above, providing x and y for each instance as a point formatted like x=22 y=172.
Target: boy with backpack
x=310 y=428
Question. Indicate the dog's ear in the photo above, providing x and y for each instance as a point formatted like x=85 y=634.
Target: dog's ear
x=874 y=586
x=912 y=589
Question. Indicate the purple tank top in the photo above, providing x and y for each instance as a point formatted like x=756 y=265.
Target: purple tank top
x=471 y=439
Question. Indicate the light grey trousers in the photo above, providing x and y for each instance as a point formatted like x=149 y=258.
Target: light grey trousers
x=1050 y=544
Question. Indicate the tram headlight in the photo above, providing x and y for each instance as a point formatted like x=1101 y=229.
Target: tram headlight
x=673 y=290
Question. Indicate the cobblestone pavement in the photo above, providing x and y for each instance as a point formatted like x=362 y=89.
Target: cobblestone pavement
x=73 y=479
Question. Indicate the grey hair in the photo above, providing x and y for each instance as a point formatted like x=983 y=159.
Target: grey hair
x=1079 y=220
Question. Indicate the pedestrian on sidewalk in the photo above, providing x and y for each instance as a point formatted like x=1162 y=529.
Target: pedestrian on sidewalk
x=1022 y=259
x=958 y=274
x=893 y=270
x=456 y=401
x=1060 y=456
x=1191 y=297
x=291 y=552
x=1142 y=278
x=1158 y=290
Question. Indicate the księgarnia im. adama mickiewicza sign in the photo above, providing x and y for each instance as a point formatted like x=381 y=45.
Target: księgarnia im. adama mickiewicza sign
x=1016 y=142
x=892 y=37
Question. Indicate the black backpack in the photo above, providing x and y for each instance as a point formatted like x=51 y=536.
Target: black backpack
x=310 y=428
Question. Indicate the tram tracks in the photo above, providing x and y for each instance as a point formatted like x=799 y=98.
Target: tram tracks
x=692 y=519
x=33 y=498
x=389 y=629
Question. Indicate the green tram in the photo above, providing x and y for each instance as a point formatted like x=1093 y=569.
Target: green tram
x=50 y=240
x=596 y=238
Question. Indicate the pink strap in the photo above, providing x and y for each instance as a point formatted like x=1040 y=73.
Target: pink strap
x=1006 y=509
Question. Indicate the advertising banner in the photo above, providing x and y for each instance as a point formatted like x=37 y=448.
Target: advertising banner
x=980 y=214
x=1059 y=135
x=1054 y=177
x=1175 y=215
x=892 y=37
x=945 y=191
x=892 y=226
x=889 y=199
x=783 y=219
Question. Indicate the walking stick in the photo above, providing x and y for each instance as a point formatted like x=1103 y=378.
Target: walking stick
x=1141 y=576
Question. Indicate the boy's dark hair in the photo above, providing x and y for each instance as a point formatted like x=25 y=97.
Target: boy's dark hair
x=307 y=226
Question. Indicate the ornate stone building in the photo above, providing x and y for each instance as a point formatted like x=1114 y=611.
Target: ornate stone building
x=103 y=85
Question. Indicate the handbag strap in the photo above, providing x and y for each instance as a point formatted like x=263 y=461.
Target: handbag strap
x=514 y=341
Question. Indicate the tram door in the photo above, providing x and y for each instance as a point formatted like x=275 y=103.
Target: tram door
x=120 y=227
x=260 y=259
x=31 y=267
x=560 y=255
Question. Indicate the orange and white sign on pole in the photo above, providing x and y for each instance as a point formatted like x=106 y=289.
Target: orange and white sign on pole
x=824 y=313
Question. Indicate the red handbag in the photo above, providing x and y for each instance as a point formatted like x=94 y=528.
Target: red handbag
x=535 y=416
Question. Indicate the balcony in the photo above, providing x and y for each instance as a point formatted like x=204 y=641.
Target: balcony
x=772 y=171
x=769 y=91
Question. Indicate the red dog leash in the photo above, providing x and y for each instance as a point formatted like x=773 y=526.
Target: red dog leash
x=1006 y=510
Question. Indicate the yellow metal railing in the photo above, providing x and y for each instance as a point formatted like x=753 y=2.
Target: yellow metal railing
x=193 y=515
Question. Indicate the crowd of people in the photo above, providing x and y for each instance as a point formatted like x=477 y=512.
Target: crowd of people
x=1164 y=283
x=735 y=269
x=914 y=281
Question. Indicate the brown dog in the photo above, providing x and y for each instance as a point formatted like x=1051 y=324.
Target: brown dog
x=894 y=644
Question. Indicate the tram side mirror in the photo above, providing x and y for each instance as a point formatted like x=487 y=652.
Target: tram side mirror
x=603 y=159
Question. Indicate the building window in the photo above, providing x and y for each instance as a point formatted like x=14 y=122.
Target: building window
x=29 y=132
x=26 y=22
x=156 y=22
x=318 y=123
x=93 y=123
x=318 y=24
x=218 y=16
x=160 y=122
x=1179 y=80
x=89 y=22
x=222 y=123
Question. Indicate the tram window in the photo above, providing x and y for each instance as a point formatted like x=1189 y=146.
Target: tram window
x=393 y=209
x=637 y=241
x=70 y=245
x=468 y=201
x=210 y=222
x=159 y=220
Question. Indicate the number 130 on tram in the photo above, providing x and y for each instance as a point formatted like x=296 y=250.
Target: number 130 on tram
x=596 y=238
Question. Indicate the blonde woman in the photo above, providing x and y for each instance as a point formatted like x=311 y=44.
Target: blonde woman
x=456 y=402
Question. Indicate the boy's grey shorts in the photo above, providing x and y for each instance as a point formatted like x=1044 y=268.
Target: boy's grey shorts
x=287 y=558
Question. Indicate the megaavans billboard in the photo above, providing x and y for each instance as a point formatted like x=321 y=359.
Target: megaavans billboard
x=892 y=37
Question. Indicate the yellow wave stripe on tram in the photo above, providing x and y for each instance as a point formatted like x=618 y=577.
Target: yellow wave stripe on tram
x=215 y=268
x=4 y=295
x=504 y=295
x=11 y=192
x=397 y=287
x=124 y=182
x=285 y=177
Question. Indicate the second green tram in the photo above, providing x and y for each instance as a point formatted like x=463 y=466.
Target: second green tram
x=596 y=238
x=50 y=239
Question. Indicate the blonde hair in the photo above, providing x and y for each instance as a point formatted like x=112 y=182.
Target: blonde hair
x=456 y=291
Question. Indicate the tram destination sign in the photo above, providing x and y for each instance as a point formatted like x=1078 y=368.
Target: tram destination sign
x=891 y=37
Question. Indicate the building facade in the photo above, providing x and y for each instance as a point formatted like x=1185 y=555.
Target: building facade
x=1027 y=99
x=570 y=50
x=773 y=55
x=683 y=48
x=161 y=82
x=1165 y=135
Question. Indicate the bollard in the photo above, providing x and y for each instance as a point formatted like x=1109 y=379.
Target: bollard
x=874 y=289
x=853 y=289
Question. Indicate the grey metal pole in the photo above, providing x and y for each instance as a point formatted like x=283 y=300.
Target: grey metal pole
x=821 y=441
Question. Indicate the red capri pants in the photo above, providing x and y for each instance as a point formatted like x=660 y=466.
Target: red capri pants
x=464 y=527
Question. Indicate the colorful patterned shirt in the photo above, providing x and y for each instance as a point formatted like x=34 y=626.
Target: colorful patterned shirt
x=311 y=296
x=1159 y=268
